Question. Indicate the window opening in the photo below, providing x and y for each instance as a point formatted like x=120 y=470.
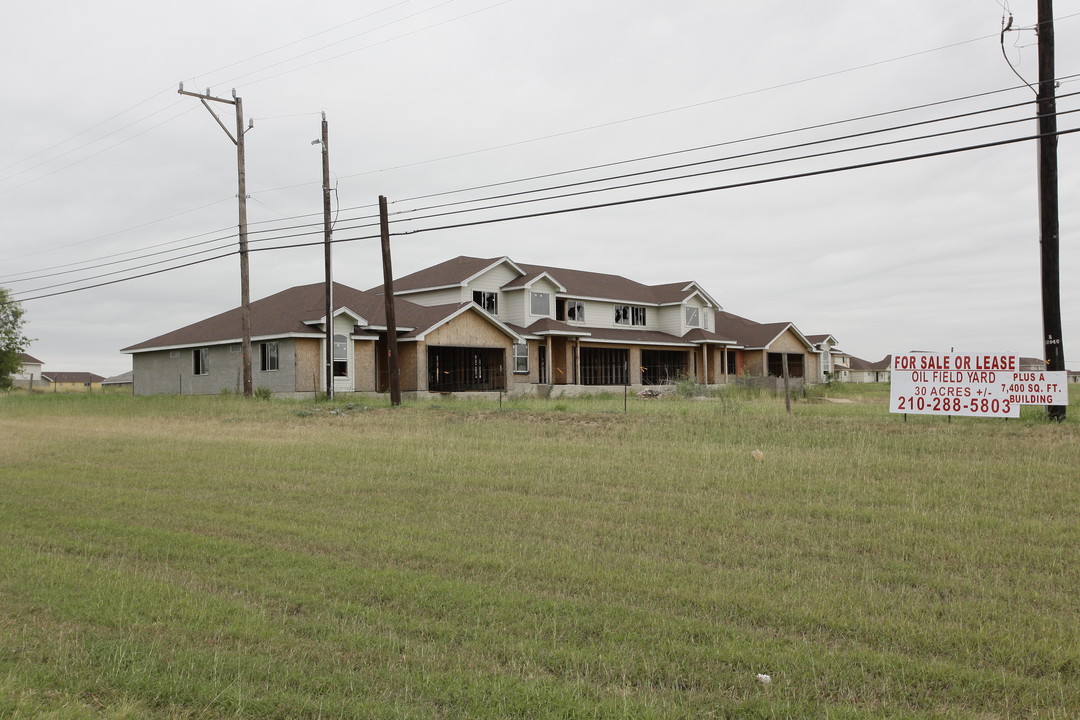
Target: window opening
x=341 y=356
x=794 y=364
x=521 y=358
x=692 y=317
x=605 y=366
x=541 y=303
x=664 y=367
x=629 y=315
x=269 y=356
x=464 y=369
x=487 y=300
x=200 y=361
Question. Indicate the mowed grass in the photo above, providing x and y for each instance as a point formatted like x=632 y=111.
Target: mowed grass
x=215 y=557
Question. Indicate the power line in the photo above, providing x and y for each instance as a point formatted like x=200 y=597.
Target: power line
x=710 y=146
x=675 y=109
x=92 y=127
x=277 y=230
x=368 y=47
x=117 y=232
x=731 y=186
x=156 y=95
x=336 y=42
x=749 y=154
x=99 y=152
x=582 y=208
x=303 y=39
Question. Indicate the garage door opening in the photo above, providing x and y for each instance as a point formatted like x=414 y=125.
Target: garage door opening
x=464 y=369
x=603 y=366
x=664 y=367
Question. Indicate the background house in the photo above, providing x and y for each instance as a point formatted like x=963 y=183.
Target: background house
x=29 y=373
x=857 y=370
x=72 y=381
x=121 y=382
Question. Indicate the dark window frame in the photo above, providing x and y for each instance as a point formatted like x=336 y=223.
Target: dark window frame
x=487 y=299
x=200 y=361
x=269 y=356
x=630 y=315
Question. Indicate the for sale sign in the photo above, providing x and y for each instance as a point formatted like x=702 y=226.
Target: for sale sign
x=971 y=385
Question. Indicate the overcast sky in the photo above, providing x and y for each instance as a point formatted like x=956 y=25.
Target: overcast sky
x=102 y=161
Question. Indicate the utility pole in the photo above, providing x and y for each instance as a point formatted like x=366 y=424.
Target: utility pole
x=391 y=319
x=1049 y=231
x=327 y=231
x=241 y=175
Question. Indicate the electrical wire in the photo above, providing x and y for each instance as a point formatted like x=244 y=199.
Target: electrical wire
x=278 y=229
x=303 y=39
x=373 y=45
x=732 y=186
x=116 y=232
x=710 y=146
x=761 y=152
x=99 y=152
x=582 y=208
x=330 y=45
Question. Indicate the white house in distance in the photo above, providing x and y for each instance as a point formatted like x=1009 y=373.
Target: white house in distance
x=29 y=374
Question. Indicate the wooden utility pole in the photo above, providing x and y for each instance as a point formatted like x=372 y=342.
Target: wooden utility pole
x=241 y=175
x=327 y=231
x=1048 y=200
x=787 y=387
x=391 y=319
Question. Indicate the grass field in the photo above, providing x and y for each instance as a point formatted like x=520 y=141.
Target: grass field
x=214 y=557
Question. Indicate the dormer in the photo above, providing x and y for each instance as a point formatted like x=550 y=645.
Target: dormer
x=531 y=297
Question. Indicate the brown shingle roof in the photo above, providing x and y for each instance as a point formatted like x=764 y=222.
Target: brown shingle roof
x=71 y=377
x=452 y=272
x=748 y=333
x=579 y=283
x=29 y=359
x=286 y=313
x=859 y=364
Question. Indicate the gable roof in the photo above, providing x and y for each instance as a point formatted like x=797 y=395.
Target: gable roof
x=750 y=334
x=29 y=359
x=576 y=283
x=71 y=377
x=121 y=379
x=860 y=364
x=817 y=340
x=283 y=313
x=451 y=273
x=435 y=316
x=293 y=312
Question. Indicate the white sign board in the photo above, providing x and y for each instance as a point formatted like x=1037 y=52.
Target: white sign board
x=970 y=385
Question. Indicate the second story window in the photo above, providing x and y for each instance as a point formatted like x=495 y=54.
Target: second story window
x=575 y=311
x=629 y=315
x=693 y=317
x=541 y=303
x=487 y=300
